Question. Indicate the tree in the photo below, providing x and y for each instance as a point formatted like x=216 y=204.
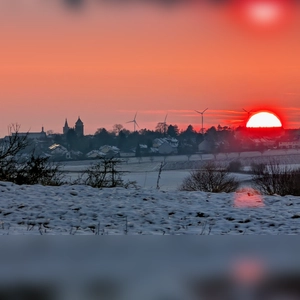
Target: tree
x=189 y=132
x=117 y=128
x=14 y=143
x=211 y=134
x=10 y=147
x=72 y=139
x=122 y=140
x=103 y=137
x=173 y=131
x=161 y=128
x=50 y=132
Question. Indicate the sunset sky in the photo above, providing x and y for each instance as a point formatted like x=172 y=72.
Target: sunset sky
x=106 y=62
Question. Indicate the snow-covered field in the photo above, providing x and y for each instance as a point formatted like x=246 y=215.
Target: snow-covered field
x=77 y=209
x=85 y=210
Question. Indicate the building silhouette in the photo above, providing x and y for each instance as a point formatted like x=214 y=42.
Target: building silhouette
x=66 y=127
x=79 y=127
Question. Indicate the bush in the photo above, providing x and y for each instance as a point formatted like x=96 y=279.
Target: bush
x=105 y=174
x=38 y=170
x=33 y=170
x=272 y=178
x=211 y=178
x=234 y=166
x=10 y=147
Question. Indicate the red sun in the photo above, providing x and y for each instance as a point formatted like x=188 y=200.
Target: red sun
x=264 y=120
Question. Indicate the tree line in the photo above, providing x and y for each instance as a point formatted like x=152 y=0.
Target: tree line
x=218 y=139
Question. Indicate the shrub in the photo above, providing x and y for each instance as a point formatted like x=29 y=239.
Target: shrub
x=35 y=170
x=105 y=173
x=272 y=178
x=211 y=178
x=32 y=170
x=10 y=147
x=234 y=166
x=38 y=170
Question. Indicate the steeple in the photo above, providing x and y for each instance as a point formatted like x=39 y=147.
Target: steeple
x=79 y=122
x=79 y=127
x=66 y=127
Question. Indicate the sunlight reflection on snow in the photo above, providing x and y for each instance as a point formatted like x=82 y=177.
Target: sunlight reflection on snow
x=248 y=197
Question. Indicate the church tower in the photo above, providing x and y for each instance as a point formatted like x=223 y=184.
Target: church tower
x=79 y=127
x=66 y=127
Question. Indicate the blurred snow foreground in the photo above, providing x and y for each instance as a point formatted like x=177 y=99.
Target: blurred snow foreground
x=149 y=268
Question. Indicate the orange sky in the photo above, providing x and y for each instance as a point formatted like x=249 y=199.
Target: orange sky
x=105 y=62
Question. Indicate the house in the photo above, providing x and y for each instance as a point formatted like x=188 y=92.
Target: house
x=166 y=145
x=59 y=151
x=205 y=147
x=110 y=151
x=32 y=135
x=165 y=148
x=95 y=154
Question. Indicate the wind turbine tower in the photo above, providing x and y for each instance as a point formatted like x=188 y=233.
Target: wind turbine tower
x=165 y=124
x=202 y=113
x=134 y=123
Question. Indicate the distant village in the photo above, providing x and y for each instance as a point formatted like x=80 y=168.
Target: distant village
x=166 y=139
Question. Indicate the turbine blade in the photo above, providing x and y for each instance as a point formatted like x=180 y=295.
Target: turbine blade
x=166 y=118
x=135 y=115
x=244 y=110
x=136 y=124
x=129 y=121
x=198 y=112
x=204 y=110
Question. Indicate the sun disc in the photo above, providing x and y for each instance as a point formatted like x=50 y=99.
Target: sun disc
x=263 y=120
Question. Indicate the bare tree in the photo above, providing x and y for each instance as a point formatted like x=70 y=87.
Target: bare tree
x=13 y=143
x=117 y=128
x=161 y=128
x=29 y=170
x=105 y=173
x=10 y=147
x=162 y=164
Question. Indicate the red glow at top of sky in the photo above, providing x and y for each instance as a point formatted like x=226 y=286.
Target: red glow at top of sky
x=263 y=120
x=264 y=14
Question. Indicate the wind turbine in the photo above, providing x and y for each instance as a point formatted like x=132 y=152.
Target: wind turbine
x=201 y=113
x=165 y=124
x=134 y=122
x=248 y=112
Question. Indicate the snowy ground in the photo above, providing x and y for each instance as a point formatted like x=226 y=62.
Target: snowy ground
x=75 y=209
x=84 y=210
x=177 y=167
